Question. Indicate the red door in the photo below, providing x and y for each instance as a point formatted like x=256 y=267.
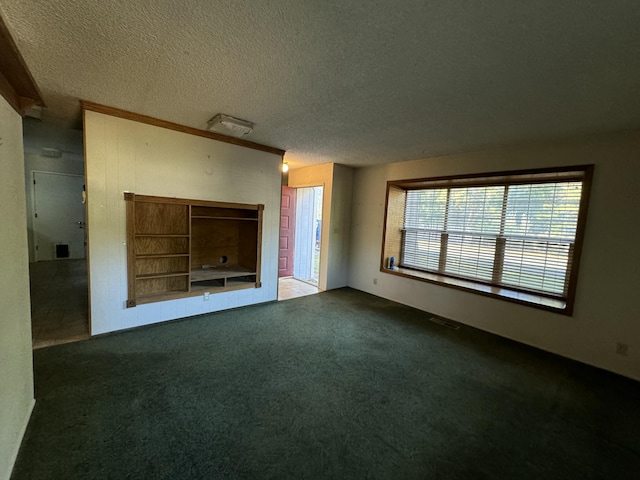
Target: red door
x=287 y=232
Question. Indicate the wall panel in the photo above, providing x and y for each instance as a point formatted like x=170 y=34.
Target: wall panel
x=123 y=155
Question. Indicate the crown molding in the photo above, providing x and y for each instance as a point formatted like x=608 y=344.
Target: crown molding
x=137 y=117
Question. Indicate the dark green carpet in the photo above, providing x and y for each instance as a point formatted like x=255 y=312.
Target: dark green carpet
x=336 y=385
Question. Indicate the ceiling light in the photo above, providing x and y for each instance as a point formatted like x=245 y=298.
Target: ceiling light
x=51 y=152
x=285 y=167
x=229 y=125
x=34 y=111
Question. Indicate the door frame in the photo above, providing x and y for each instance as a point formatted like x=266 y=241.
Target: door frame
x=322 y=275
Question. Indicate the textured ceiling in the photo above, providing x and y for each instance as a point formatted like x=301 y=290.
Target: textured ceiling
x=357 y=83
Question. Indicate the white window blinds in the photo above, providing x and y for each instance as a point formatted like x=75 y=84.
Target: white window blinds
x=517 y=232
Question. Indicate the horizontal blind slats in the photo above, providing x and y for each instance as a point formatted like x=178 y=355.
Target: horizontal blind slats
x=543 y=210
x=421 y=250
x=537 y=223
x=470 y=256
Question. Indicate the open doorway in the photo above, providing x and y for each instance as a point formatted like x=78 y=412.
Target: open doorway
x=306 y=259
x=58 y=276
x=54 y=183
x=300 y=241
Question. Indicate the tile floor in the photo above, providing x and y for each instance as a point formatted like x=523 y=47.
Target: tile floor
x=289 y=287
x=59 y=302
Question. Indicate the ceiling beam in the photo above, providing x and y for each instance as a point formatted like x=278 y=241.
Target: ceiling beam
x=17 y=85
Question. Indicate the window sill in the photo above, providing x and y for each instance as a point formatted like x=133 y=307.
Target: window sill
x=532 y=300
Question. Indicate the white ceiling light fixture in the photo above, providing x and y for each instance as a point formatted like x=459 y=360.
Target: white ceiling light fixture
x=34 y=111
x=51 y=152
x=228 y=125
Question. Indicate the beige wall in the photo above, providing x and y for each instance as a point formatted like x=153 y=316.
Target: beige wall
x=606 y=310
x=123 y=155
x=340 y=233
x=16 y=367
x=337 y=181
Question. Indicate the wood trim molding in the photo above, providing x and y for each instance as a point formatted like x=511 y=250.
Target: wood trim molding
x=131 y=248
x=137 y=117
x=580 y=231
x=17 y=85
x=130 y=196
x=511 y=177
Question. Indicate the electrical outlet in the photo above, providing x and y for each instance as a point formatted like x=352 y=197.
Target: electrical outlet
x=375 y=281
x=622 y=349
x=206 y=296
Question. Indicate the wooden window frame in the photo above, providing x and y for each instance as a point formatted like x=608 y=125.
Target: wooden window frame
x=392 y=242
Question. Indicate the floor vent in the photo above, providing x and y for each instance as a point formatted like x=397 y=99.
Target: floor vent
x=444 y=323
x=62 y=250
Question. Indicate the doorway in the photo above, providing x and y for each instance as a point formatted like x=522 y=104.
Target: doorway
x=58 y=275
x=59 y=216
x=300 y=241
x=306 y=259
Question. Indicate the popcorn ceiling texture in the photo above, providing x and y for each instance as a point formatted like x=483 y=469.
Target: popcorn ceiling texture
x=350 y=82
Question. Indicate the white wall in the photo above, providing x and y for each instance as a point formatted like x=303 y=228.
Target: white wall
x=16 y=367
x=123 y=155
x=36 y=137
x=337 y=181
x=606 y=309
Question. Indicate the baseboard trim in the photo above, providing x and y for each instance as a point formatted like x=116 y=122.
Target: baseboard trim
x=23 y=430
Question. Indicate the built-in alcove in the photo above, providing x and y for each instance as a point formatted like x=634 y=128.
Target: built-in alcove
x=181 y=248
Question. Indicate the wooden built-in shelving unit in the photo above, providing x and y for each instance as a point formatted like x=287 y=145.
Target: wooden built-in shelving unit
x=180 y=248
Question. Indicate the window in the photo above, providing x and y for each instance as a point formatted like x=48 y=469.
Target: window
x=515 y=235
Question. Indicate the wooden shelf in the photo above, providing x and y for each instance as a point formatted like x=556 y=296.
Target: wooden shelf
x=197 y=290
x=161 y=235
x=161 y=296
x=162 y=255
x=147 y=276
x=224 y=218
x=217 y=273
